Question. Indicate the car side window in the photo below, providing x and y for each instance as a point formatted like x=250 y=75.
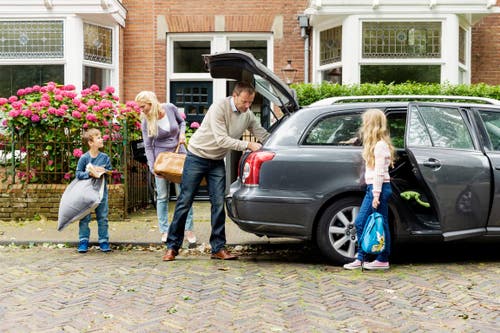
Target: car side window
x=444 y=126
x=336 y=130
x=397 y=124
x=417 y=133
x=492 y=124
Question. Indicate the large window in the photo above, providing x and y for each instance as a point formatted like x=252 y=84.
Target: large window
x=258 y=48
x=97 y=55
x=400 y=73
x=98 y=43
x=31 y=39
x=188 y=56
x=401 y=39
x=330 y=46
x=462 y=45
x=13 y=78
x=26 y=40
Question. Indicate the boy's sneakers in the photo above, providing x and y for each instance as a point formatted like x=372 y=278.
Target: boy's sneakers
x=83 y=246
x=104 y=246
x=356 y=264
x=376 y=265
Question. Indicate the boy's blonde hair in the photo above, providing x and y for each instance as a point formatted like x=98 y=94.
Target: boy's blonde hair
x=373 y=129
x=89 y=135
x=149 y=97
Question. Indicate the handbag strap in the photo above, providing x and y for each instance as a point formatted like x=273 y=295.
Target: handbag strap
x=177 y=148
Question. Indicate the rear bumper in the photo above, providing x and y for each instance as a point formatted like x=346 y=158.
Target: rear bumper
x=271 y=215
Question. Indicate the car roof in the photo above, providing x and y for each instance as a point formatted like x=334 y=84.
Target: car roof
x=408 y=98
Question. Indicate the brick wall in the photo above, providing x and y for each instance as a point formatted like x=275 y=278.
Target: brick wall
x=145 y=51
x=25 y=202
x=485 y=52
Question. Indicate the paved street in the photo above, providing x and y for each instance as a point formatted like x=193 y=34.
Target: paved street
x=271 y=288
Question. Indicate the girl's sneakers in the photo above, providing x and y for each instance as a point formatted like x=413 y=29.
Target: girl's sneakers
x=376 y=265
x=356 y=264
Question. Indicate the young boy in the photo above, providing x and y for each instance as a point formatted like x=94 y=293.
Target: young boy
x=94 y=164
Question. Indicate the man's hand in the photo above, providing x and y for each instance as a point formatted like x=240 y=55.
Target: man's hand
x=253 y=146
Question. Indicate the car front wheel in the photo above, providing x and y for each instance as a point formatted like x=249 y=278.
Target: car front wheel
x=336 y=232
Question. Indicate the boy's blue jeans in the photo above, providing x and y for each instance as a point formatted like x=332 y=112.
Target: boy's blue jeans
x=365 y=210
x=195 y=168
x=101 y=214
x=162 y=199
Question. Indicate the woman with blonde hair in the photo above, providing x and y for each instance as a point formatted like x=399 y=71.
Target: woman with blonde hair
x=163 y=128
x=378 y=154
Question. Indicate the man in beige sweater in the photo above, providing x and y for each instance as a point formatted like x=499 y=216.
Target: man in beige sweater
x=220 y=132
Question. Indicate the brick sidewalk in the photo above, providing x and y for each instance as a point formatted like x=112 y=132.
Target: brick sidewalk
x=140 y=228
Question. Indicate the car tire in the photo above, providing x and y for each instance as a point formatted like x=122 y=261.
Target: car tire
x=336 y=233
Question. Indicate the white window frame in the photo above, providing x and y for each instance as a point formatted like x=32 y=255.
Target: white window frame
x=219 y=42
x=352 y=59
x=112 y=69
x=73 y=49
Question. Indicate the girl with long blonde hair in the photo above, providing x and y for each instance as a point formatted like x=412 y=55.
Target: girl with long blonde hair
x=378 y=154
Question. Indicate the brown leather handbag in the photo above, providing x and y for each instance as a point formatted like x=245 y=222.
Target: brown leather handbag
x=169 y=165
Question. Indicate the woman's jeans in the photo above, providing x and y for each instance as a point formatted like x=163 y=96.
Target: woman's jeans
x=162 y=199
x=101 y=214
x=195 y=168
x=365 y=210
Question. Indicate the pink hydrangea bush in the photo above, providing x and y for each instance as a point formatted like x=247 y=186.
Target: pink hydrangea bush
x=46 y=122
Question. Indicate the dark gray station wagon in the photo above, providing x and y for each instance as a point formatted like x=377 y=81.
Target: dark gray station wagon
x=307 y=181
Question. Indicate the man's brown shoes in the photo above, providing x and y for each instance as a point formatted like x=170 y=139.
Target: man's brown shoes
x=223 y=255
x=169 y=255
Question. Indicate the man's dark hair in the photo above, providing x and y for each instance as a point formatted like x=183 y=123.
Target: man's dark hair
x=241 y=86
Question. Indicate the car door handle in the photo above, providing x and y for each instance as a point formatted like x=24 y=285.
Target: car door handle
x=432 y=163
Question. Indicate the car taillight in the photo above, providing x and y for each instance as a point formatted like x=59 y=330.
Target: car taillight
x=251 y=169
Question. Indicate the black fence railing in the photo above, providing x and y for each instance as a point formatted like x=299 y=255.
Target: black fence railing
x=44 y=162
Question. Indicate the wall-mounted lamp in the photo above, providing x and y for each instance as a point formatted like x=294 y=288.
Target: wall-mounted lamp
x=289 y=72
x=303 y=21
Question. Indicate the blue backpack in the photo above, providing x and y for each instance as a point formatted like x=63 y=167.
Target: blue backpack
x=373 y=238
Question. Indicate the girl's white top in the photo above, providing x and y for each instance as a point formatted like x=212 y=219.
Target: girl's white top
x=379 y=174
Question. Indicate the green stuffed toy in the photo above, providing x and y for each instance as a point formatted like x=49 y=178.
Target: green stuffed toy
x=408 y=195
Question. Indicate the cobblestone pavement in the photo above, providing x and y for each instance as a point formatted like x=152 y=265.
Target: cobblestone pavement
x=54 y=289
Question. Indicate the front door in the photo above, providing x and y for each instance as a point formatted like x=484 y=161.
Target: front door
x=455 y=173
x=194 y=97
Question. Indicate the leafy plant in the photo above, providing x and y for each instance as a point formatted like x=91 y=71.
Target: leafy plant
x=46 y=123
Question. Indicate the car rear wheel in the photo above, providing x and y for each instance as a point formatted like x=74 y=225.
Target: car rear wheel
x=336 y=232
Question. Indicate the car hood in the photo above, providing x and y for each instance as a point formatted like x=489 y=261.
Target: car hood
x=242 y=66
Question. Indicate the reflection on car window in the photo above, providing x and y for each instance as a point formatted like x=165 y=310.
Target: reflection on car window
x=446 y=127
x=438 y=126
x=492 y=124
x=417 y=133
x=337 y=130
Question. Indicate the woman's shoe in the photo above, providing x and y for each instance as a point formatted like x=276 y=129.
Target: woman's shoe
x=191 y=238
x=164 y=237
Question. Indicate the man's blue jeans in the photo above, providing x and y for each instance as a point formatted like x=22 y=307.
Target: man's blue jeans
x=365 y=210
x=101 y=214
x=162 y=199
x=195 y=168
